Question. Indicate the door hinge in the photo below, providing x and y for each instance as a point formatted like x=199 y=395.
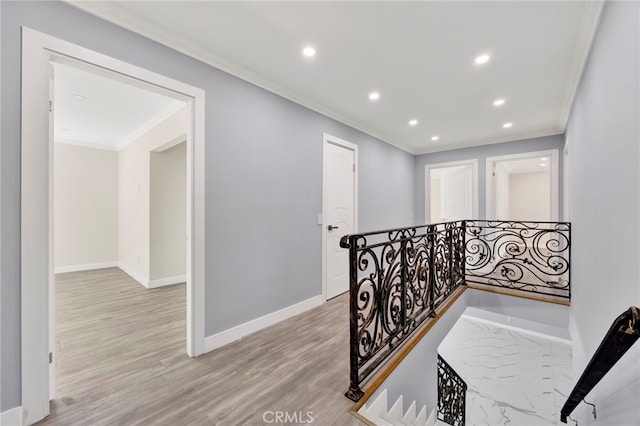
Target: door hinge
x=50 y=106
x=50 y=357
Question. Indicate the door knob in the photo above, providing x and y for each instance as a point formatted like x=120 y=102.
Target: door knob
x=331 y=227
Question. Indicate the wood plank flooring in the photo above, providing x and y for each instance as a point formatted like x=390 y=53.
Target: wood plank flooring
x=121 y=360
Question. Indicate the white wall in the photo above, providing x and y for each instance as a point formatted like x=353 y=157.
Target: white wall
x=134 y=195
x=85 y=207
x=605 y=209
x=169 y=213
x=529 y=196
x=435 y=200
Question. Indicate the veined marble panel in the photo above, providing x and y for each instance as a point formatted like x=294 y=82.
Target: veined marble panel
x=514 y=378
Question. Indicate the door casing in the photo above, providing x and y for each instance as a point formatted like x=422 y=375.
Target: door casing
x=38 y=50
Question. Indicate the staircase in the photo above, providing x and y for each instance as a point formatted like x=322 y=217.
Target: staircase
x=379 y=414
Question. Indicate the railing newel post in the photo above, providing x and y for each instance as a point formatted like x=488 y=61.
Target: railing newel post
x=354 y=393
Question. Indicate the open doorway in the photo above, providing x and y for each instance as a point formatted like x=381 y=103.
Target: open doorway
x=523 y=187
x=451 y=191
x=39 y=51
x=120 y=227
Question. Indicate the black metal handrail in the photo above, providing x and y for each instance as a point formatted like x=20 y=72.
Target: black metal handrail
x=622 y=334
x=452 y=394
x=399 y=277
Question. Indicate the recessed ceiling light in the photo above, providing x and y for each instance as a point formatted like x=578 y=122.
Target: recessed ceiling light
x=543 y=165
x=374 y=96
x=482 y=59
x=435 y=138
x=544 y=159
x=309 y=51
x=498 y=102
x=79 y=96
x=413 y=122
x=507 y=125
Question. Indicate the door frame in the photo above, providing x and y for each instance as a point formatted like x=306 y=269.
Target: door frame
x=427 y=185
x=326 y=140
x=554 y=182
x=38 y=50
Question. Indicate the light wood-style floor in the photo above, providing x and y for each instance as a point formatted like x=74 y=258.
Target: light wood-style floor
x=121 y=360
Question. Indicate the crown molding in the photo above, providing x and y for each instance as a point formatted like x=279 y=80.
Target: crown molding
x=85 y=144
x=492 y=141
x=167 y=112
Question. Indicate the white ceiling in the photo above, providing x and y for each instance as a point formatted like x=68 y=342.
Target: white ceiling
x=112 y=114
x=418 y=55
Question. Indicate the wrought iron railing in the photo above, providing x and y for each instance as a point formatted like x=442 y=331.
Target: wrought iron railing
x=452 y=393
x=526 y=256
x=622 y=334
x=398 y=278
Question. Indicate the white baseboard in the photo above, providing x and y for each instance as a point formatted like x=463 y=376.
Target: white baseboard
x=167 y=281
x=11 y=417
x=238 y=332
x=142 y=280
x=85 y=267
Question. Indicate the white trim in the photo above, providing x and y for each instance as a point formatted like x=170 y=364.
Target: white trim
x=238 y=332
x=171 y=109
x=174 y=142
x=38 y=50
x=473 y=162
x=329 y=139
x=84 y=144
x=162 y=282
x=566 y=181
x=12 y=417
x=554 y=181
x=85 y=267
x=143 y=281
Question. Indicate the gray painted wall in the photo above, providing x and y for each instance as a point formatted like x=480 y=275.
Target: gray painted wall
x=263 y=179
x=604 y=158
x=481 y=153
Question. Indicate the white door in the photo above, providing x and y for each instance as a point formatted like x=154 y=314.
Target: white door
x=451 y=191
x=340 y=207
x=456 y=193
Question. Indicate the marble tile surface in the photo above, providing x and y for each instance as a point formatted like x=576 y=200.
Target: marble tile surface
x=513 y=378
